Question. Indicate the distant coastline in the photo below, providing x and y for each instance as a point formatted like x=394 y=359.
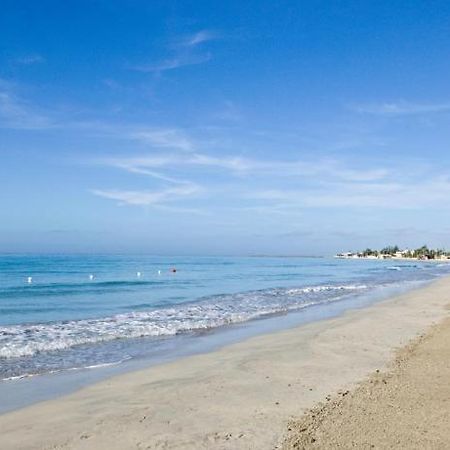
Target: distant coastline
x=394 y=252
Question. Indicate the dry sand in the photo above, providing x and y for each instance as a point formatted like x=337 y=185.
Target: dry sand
x=407 y=407
x=240 y=397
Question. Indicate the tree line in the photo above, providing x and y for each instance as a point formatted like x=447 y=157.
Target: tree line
x=421 y=252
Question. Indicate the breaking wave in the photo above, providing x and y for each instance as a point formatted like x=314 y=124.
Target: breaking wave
x=212 y=312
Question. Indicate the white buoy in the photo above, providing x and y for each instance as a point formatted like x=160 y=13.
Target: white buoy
x=138 y=274
x=91 y=277
x=29 y=280
x=159 y=272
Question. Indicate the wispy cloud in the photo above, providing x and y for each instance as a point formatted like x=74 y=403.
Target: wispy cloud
x=402 y=108
x=18 y=114
x=173 y=63
x=111 y=83
x=183 y=166
x=141 y=164
x=148 y=198
x=291 y=186
x=229 y=112
x=30 y=59
x=155 y=165
x=199 y=38
x=163 y=137
x=392 y=195
x=184 y=53
x=239 y=166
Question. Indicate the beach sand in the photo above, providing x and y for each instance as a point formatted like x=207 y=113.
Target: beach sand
x=240 y=397
x=406 y=407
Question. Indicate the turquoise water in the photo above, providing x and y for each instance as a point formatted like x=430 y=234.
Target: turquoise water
x=88 y=311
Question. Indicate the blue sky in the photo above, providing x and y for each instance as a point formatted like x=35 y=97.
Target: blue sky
x=259 y=127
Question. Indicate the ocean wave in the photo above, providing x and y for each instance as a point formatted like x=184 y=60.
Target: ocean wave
x=212 y=312
x=82 y=288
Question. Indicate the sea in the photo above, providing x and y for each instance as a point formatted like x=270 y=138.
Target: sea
x=83 y=312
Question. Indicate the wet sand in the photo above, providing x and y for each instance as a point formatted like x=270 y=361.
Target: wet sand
x=240 y=397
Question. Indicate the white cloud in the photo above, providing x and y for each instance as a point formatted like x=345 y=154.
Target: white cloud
x=173 y=63
x=148 y=198
x=199 y=38
x=145 y=164
x=289 y=187
x=238 y=165
x=182 y=164
x=323 y=183
x=17 y=113
x=112 y=84
x=229 y=112
x=402 y=108
x=394 y=195
x=14 y=113
x=163 y=137
x=30 y=59
x=184 y=53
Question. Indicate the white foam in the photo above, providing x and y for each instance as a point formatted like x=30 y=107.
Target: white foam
x=28 y=340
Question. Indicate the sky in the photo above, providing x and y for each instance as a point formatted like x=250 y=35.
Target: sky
x=224 y=128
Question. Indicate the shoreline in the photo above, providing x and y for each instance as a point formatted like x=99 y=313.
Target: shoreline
x=27 y=390
x=240 y=396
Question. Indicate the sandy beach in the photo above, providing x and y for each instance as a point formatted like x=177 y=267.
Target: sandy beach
x=247 y=396
x=407 y=406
